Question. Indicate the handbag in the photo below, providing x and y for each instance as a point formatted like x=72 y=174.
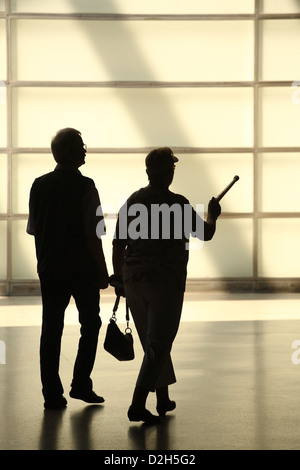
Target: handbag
x=116 y=343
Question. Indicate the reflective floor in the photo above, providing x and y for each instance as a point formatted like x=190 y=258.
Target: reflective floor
x=238 y=380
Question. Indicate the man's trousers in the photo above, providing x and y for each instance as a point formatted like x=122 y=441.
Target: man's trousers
x=56 y=295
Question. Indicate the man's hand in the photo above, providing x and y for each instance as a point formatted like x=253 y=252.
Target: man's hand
x=117 y=283
x=214 y=208
x=102 y=283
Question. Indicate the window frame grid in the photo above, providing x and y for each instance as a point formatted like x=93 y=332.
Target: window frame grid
x=11 y=286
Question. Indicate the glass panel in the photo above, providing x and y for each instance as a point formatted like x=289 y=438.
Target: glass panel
x=122 y=117
x=199 y=177
x=3 y=185
x=279 y=6
x=25 y=168
x=133 y=6
x=228 y=254
x=3 y=249
x=279 y=254
x=2 y=93
x=280 y=108
x=2 y=84
x=3 y=129
x=279 y=189
x=280 y=43
x=2 y=51
x=2 y=5
x=132 y=50
x=23 y=252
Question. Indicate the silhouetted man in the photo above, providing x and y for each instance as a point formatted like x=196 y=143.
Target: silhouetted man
x=70 y=262
x=150 y=256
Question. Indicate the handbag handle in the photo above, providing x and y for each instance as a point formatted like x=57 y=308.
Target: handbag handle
x=128 y=329
x=115 y=308
x=116 y=304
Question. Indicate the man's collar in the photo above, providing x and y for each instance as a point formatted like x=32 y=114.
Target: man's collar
x=61 y=166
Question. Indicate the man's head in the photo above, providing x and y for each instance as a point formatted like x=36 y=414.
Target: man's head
x=160 y=165
x=68 y=148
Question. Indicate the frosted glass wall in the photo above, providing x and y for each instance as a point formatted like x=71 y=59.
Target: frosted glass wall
x=217 y=81
x=134 y=6
x=127 y=117
x=2 y=49
x=3 y=249
x=132 y=50
x=279 y=6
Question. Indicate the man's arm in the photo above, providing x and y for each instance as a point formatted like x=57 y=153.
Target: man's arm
x=96 y=249
x=213 y=212
x=92 y=215
x=205 y=230
x=30 y=223
x=118 y=257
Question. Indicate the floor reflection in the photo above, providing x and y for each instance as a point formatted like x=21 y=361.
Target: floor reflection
x=81 y=423
x=81 y=428
x=157 y=437
x=50 y=432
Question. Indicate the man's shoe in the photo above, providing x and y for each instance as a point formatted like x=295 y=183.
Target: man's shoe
x=55 y=404
x=142 y=415
x=88 y=397
x=163 y=407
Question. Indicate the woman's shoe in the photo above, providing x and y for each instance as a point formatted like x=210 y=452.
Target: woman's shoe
x=135 y=414
x=163 y=407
